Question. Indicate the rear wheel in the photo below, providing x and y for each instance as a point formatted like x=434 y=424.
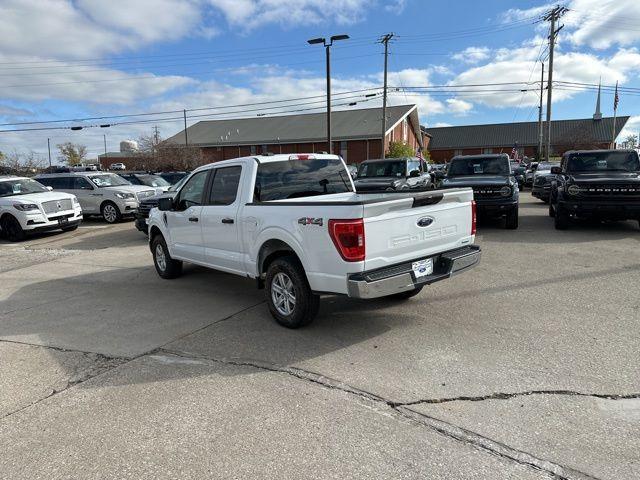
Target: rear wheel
x=110 y=212
x=512 y=219
x=561 y=219
x=12 y=229
x=166 y=266
x=408 y=294
x=289 y=297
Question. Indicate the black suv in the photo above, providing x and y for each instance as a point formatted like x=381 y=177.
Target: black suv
x=603 y=184
x=495 y=188
x=390 y=174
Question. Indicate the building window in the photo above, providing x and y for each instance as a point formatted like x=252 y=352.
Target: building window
x=457 y=152
x=487 y=151
x=405 y=130
x=343 y=150
x=263 y=148
x=253 y=149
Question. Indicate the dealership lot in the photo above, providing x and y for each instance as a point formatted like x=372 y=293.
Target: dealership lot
x=525 y=367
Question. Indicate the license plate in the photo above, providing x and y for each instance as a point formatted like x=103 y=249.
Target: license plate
x=422 y=268
x=62 y=221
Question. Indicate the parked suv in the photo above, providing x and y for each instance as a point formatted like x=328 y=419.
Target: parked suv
x=596 y=183
x=148 y=203
x=495 y=188
x=159 y=184
x=391 y=174
x=542 y=180
x=28 y=206
x=105 y=194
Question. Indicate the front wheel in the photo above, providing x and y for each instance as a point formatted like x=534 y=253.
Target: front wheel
x=561 y=219
x=110 y=212
x=12 y=229
x=289 y=297
x=552 y=211
x=166 y=266
x=512 y=219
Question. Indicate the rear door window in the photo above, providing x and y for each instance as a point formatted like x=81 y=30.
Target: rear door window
x=57 y=183
x=81 y=183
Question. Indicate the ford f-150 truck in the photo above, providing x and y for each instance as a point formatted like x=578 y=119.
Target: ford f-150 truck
x=296 y=225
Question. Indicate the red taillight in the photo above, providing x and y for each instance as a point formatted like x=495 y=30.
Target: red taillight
x=473 y=217
x=348 y=237
x=305 y=156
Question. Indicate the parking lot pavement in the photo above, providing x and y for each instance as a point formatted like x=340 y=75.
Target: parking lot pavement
x=369 y=389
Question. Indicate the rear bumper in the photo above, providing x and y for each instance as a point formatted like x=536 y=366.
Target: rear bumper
x=400 y=278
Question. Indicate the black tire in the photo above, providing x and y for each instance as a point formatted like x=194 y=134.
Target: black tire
x=166 y=266
x=408 y=294
x=110 y=212
x=305 y=302
x=70 y=228
x=11 y=229
x=512 y=219
x=561 y=219
x=552 y=211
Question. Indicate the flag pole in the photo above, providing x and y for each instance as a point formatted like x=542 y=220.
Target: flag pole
x=615 y=111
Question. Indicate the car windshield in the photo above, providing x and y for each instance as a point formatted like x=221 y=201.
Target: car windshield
x=382 y=169
x=478 y=166
x=546 y=166
x=176 y=186
x=20 y=186
x=603 y=161
x=153 y=181
x=301 y=178
x=109 y=180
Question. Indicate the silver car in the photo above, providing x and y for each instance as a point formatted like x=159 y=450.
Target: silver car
x=105 y=194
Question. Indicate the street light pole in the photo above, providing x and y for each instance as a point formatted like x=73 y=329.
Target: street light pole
x=327 y=47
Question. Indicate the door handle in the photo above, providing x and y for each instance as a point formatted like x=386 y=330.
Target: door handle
x=193 y=219
x=227 y=220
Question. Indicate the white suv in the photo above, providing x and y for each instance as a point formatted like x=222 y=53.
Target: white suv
x=105 y=194
x=28 y=206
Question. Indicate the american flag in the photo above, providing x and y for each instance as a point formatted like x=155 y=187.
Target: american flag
x=419 y=153
x=616 y=98
x=514 y=152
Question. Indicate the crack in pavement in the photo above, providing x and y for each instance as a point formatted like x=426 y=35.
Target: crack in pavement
x=442 y=427
x=506 y=396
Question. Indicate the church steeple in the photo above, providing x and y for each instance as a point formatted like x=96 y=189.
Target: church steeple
x=598 y=114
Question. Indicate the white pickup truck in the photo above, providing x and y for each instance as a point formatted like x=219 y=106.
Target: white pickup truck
x=295 y=224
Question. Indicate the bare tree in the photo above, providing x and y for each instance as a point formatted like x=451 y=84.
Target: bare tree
x=72 y=153
x=21 y=163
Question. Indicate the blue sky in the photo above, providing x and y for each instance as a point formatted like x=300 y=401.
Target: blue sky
x=71 y=59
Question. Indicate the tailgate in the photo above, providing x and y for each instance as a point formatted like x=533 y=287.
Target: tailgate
x=417 y=226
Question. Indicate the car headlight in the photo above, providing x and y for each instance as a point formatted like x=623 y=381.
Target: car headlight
x=125 y=195
x=505 y=191
x=75 y=201
x=573 y=190
x=25 y=207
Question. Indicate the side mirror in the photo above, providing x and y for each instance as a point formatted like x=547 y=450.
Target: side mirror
x=49 y=188
x=556 y=170
x=165 y=204
x=414 y=173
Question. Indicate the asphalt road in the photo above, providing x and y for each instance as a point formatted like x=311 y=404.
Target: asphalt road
x=526 y=367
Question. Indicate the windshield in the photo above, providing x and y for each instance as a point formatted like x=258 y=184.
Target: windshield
x=176 y=186
x=301 y=178
x=382 y=169
x=20 y=186
x=603 y=161
x=109 y=180
x=546 y=166
x=153 y=181
x=478 y=166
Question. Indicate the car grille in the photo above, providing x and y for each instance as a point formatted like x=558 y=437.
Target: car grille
x=610 y=190
x=55 y=206
x=489 y=191
x=145 y=207
x=145 y=194
x=540 y=180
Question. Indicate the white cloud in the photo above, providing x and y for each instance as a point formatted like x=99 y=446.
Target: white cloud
x=631 y=128
x=458 y=106
x=396 y=6
x=248 y=14
x=472 y=55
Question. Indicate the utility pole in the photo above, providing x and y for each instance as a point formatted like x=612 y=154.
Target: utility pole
x=49 y=148
x=186 y=138
x=540 y=130
x=327 y=47
x=553 y=16
x=104 y=137
x=156 y=140
x=385 y=41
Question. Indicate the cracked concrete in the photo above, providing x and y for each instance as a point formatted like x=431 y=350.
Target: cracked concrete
x=519 y=369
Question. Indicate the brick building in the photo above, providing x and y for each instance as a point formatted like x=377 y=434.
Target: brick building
x=588 y=133
x=355 y=134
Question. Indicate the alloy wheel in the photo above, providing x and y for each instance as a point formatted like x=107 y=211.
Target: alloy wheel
x=110 y=214
x=283 y=294
x=161 y=259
